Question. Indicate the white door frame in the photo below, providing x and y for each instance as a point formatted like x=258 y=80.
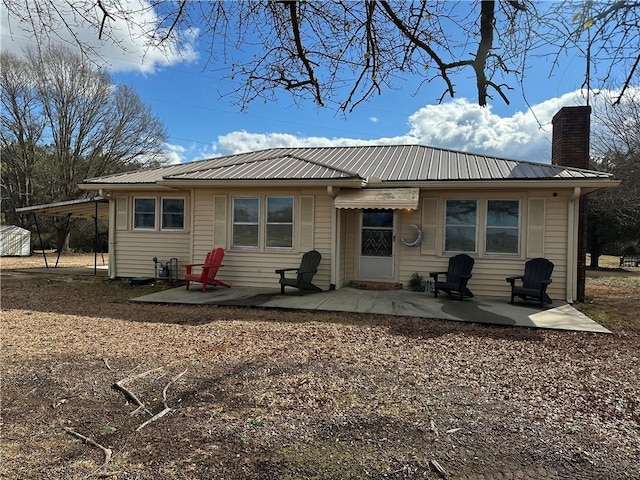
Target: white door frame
x=377 y=267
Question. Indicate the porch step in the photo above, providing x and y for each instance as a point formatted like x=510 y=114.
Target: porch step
x=375 y=285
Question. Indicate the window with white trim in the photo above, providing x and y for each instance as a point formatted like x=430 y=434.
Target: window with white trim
x=144 y=213
x=279 y=232
x=263 y=222
x=502 y=233
x=173 y=214
x=246 y=222
x=461 y=225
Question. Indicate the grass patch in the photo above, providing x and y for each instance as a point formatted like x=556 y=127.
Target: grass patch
x=613 y=300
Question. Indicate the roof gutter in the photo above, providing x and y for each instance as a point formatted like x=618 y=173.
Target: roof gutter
x=114 y=187
x=588 y=185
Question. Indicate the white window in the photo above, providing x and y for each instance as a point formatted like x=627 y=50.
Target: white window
x=173 y=214
x=246 y=222
x=263 y=222
x=461 y=225
x=279 y=233
x=144 y=213
x=502 y=234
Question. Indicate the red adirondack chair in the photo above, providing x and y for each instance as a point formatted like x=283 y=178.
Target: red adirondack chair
x=207 y=270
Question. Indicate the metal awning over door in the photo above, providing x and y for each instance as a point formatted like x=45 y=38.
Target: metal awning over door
x=391 y=198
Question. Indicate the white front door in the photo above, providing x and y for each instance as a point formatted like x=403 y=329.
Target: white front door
x=377 y=237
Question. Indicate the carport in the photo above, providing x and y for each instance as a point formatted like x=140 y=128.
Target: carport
x=96 y=208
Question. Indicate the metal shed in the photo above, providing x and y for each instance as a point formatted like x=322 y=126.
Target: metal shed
x=14 y=241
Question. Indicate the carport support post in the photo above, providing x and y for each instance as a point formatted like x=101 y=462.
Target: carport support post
x=35 y=218
x=95 y=242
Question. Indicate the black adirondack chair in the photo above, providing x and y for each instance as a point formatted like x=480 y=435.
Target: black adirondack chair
x=457 y=276
x=304 y=274
x=536 y=279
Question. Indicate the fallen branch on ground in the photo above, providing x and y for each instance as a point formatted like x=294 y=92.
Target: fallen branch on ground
x=438 y=468
x=132 y=396
x=106 y=363
x=167 y=409
x=62 y=401
x=434 y=429
x=107 y=451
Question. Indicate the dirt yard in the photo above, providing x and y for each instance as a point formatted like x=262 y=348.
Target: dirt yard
x=96 y=387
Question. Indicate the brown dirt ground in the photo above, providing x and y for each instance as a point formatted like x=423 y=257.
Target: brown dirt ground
x=304 y=395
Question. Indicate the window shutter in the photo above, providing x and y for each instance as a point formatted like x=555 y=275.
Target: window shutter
x=220 y=221
x=535 y=229
x=306 y=222
x=122 y=212
x=429 y=226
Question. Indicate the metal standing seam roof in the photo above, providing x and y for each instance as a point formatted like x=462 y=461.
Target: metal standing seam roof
x=387 y=163
x=82 y=208
x=285 y=167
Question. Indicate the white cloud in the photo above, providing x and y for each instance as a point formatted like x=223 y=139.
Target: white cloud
x=243 y=141
x=462 y=125
x=123 y=47
x=373 y=119
x=458 y=125
x=175 y=153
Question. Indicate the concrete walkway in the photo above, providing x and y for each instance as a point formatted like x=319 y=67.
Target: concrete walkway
x=490 y=310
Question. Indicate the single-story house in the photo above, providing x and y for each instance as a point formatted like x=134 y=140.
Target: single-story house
x=375 y=213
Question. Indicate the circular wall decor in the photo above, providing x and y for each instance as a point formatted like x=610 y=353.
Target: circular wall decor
x=418 y=239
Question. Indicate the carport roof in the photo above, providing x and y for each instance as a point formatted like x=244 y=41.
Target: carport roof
x=82 y=208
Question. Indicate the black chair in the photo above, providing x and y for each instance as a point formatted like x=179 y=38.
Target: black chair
x=536 y=279
x=457 y=276
x=304 y=274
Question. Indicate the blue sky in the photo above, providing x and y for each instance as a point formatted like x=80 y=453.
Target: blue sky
x=202 y=123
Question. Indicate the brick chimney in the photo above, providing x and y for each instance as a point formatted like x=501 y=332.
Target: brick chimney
x=570 y=147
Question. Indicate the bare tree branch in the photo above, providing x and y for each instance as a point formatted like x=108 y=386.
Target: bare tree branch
x=105 y=16
x=295 y=23
x=342 y=53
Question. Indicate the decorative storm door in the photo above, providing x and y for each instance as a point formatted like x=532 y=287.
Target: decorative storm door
x=376 y=244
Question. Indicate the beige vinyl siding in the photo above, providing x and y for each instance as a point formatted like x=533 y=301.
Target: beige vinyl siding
x=203 y=218
x=204 y=231
x=536 y=214
x=341 y=278
x=136 y=248
x=306 y=223
x=122 y=213
x=220 y=221
x=429 y=214
x=351 y=243
x=257 y=267
x=409 y=259
x=490 y=271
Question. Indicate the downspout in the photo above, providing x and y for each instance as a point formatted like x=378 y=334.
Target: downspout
x=192 y=220
x=112 y=239
x=572 y=241
x=335 y=264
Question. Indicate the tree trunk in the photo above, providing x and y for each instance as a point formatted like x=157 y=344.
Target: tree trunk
x=62 y=237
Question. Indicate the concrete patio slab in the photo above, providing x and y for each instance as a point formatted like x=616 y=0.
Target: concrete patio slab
x=489 y=310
